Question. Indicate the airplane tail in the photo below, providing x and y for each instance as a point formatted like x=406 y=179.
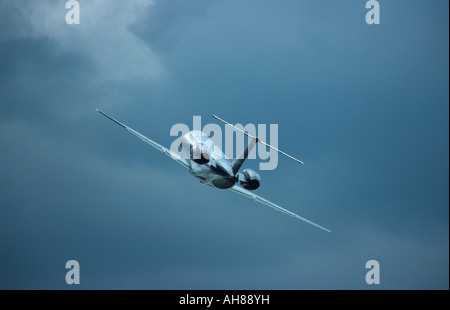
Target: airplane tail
x=237 y=163
x=252 y=142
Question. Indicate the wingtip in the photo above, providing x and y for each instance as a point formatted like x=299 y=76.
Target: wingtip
x=323 y=228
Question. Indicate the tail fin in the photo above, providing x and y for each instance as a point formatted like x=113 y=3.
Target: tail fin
x=253 y=140
x=240 y=160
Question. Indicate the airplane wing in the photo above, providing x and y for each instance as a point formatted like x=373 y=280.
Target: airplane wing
x=157 y=146
x=248 y=194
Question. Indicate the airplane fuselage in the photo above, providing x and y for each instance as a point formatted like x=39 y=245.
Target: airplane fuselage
x=217 y=174
x=218 y=171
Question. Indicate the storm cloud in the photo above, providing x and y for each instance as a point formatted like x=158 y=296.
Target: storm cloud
x=364 y=106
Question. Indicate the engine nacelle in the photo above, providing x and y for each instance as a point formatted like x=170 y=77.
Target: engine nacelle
x=249 y=179
x=200 y=153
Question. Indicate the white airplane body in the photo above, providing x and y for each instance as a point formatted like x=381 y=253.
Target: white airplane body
x=206 y=161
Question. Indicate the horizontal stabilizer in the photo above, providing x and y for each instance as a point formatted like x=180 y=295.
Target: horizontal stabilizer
x=258 y=140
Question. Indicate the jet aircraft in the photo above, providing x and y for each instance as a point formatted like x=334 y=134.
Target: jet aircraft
x=212 y=167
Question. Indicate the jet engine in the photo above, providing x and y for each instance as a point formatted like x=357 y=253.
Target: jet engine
x=249 y=179
x=200 y=153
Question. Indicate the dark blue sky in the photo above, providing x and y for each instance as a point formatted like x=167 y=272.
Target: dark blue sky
x=365 y=106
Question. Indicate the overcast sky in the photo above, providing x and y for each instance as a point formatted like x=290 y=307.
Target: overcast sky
x=364 y=106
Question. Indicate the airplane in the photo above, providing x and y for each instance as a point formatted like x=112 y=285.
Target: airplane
x=212 y=167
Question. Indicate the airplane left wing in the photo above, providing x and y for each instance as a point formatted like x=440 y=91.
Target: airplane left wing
x=248 y=194
x=157 y=146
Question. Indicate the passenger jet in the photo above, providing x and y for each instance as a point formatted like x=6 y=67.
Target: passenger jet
x=212 y=167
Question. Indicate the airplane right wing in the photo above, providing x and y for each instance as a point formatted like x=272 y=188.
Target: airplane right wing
x=157 y=146
x=248 y=194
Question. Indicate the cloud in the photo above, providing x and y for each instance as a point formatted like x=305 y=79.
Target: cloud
x=365 y=108
x=102 y=34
